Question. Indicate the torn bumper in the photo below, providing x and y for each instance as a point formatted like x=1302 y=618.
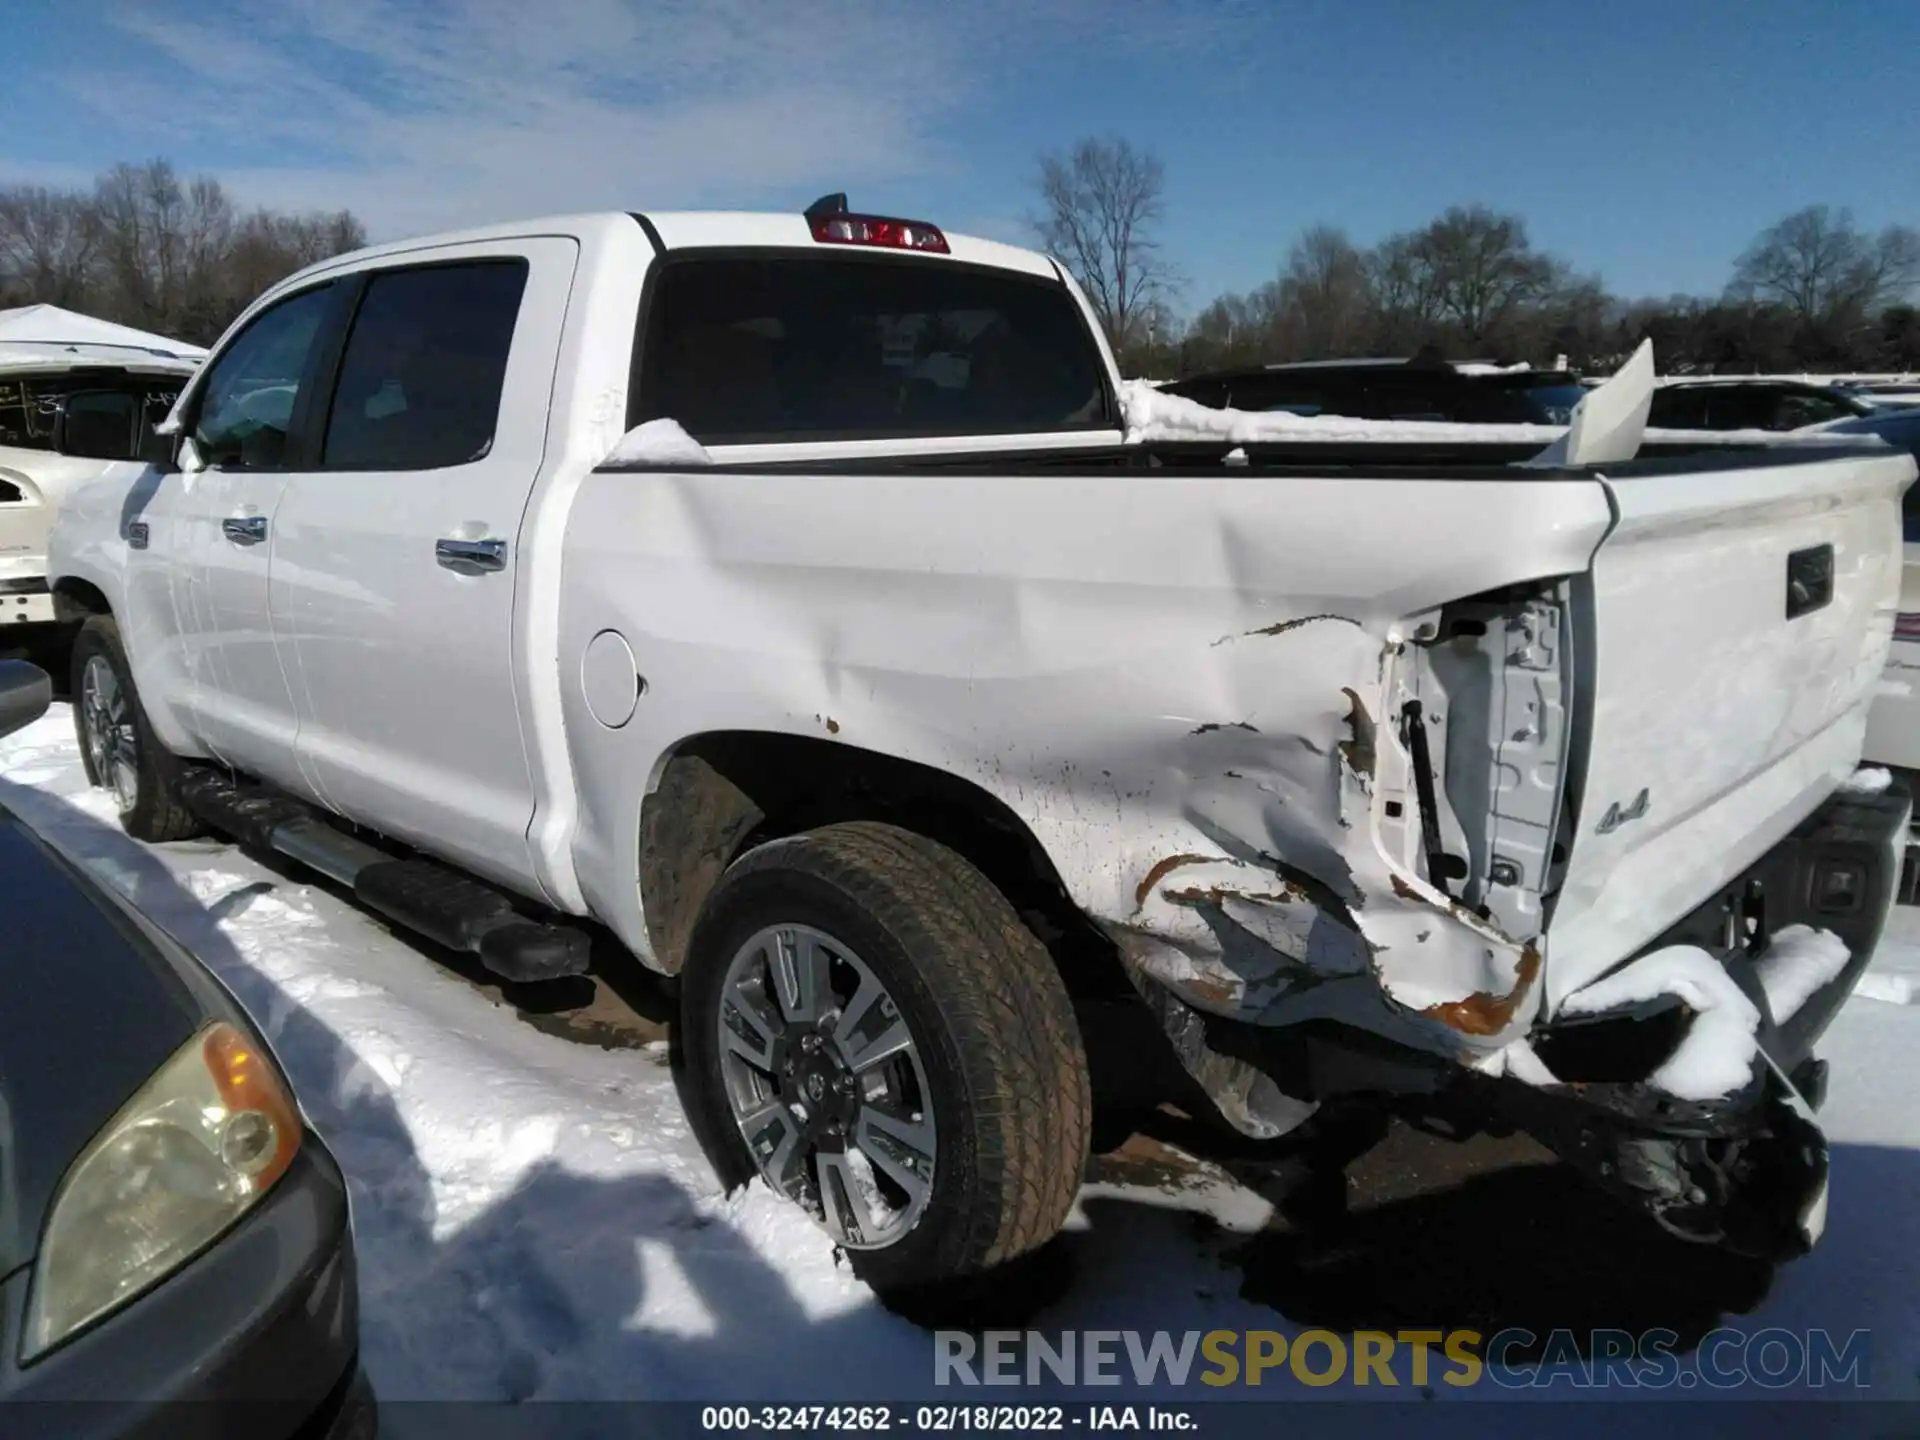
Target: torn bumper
x=1746 y=1169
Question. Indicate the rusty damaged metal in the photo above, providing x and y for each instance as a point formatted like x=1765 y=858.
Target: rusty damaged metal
x=1483 y=1013
x=1283 y=626
x=1220 y=894
x=1162 y=869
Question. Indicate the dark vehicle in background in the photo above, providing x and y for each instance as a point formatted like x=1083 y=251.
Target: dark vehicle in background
x=1425 y=387
x=1887 y=394
x=1899 y=427
x=1750 y=404
x=176 y=1256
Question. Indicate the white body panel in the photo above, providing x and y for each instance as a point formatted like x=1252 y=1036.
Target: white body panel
x=1101 y=680
x=1893 y=725
x=41 y=478
x=1734 y=720
x=1177 y=681
x=402 y=670
x=147 y=591
x=238 y=698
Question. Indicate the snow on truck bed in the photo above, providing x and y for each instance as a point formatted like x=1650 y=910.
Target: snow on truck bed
x=534 y=1221
x=1155 y=417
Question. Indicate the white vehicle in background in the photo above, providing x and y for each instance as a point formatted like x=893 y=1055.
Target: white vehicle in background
x=790 y=596
x=1890 y=396
x=49 y=443
x=1893 y=727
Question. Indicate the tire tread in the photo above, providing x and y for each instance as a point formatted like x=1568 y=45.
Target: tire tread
x=1006 y=1010
x=157 y=816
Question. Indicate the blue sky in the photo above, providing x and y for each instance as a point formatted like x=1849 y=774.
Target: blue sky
x=1647 y=142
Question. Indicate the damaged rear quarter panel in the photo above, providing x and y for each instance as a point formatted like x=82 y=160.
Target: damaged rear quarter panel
x=1177 y=681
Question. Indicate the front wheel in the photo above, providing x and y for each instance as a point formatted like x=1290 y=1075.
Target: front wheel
x=117 y=745
x=868 y=1027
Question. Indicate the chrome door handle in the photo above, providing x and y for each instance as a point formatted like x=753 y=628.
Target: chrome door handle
x=471 y=557
x=244 y=529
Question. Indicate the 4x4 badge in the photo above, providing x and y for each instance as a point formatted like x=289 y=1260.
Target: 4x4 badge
x=1616 y=817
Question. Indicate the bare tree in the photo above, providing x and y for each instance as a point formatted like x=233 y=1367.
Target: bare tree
x=1232 y=330
x=151 y=249
x=1575 y=317
x=1812 y=292
x=1899 y=338
x=1326 y=293
x=49 y=240
x=1824 y=269
x=1481 y=268
x=136 y=206
x=1101 y=205
x=1405 y=297
x=267 y=247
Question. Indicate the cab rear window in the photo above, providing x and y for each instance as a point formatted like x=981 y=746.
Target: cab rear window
x=743 y=349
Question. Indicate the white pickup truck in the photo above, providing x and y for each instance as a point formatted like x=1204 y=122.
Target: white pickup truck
x=787 y=595
x=76 y=395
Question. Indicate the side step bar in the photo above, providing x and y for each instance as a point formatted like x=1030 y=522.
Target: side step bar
x=429 y=899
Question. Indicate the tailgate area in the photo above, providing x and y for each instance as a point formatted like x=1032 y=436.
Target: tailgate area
x=1734 y=629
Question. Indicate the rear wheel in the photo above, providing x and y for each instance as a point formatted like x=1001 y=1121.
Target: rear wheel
x=869 y=1028
x=117 y=745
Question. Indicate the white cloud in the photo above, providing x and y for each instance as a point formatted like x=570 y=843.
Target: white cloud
x=424 y=114
x=424 y=117
x=52 y=175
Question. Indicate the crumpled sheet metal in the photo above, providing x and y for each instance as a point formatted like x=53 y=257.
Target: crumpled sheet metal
x=1290 y=880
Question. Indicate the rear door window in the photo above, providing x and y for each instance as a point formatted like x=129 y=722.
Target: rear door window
x=1423 y=397
x=424 y=368
x=1677 y=409
x=1797 y=408
x=1274 y=394
x=790 y=347
x=1212 y=393
x=1742 y=407
x=1547 y=404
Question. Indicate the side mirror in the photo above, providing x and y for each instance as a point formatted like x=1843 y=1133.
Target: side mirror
x=98 y=425
x=25 y=693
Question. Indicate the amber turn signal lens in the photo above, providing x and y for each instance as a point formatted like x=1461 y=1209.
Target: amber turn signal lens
x=262 y=1133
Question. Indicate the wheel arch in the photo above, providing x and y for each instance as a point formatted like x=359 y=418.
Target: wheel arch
x=718 y=794
x=74 y=599
x=79 y=597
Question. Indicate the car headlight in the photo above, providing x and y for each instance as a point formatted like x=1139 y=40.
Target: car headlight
x=190 y=1154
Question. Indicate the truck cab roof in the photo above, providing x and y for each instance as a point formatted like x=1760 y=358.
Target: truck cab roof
x=673 y=230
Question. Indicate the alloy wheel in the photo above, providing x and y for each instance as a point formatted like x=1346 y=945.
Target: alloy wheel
x=824 y=1080
x=113 y=747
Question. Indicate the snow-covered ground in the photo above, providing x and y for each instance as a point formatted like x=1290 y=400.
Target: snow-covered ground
x=534 y=1221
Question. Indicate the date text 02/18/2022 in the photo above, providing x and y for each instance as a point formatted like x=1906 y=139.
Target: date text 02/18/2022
x=943 y=1419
